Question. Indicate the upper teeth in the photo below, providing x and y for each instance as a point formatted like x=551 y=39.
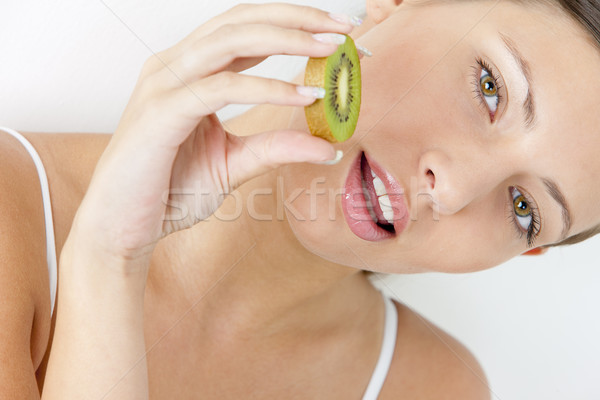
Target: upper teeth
x=383 y=198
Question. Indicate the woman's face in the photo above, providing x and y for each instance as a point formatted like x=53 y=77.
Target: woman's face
x=447 y=113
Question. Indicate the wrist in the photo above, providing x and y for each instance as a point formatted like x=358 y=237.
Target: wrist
x=86 y=266
x=93 y=237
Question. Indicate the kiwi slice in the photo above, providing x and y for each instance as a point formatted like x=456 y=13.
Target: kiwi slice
x=334 y=118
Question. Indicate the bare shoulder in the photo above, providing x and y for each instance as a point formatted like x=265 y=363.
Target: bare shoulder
x=21 y=219
x=69 y=158
x=23 y=278
x=430 y=364
x=69 y=161
x=25 y=307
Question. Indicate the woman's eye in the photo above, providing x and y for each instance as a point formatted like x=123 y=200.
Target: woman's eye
x=523 y=212
x=489 y=89
x=525 y=215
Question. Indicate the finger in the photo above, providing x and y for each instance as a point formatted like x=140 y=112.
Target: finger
x=255 y=155
x=210 y=94
x=279 y=14
x=181 y=110
x=242 y=64
x=291 y=16
x=216 y=51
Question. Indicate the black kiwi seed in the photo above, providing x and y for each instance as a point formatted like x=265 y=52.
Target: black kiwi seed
x=340 y=105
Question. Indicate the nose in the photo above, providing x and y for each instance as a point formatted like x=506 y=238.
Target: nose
x=451 y=183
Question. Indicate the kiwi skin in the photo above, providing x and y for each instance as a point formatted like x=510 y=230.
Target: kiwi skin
x=316 y=116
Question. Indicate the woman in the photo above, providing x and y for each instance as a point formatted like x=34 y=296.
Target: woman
x=198 y=315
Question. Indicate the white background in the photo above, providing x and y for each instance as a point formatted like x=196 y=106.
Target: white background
x=70 y=66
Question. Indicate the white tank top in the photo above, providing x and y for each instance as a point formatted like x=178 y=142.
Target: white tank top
x=386 y=354
x=391 y=315
x=50 y=243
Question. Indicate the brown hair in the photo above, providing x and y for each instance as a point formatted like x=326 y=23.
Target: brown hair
x=580 y=237
x=586 y=12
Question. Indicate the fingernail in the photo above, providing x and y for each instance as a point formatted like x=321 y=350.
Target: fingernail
x=311 y=91
x=346 y=19
x=331 y=38
x=364 y=51
x=338 y=157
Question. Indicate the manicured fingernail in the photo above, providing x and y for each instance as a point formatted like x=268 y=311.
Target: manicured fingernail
x=338 y=157
x=364 y=51
x=311 y=91
x=346 y=19
x=330 y=38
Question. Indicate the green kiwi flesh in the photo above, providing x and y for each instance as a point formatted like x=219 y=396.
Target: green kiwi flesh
x=335 y=117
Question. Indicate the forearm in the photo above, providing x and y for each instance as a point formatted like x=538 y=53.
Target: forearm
x=98 y=350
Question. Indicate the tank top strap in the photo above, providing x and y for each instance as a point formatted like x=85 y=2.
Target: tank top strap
x=50 y=241
x=386 y=354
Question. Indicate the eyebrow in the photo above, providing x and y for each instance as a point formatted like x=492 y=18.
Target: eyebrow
x=529 y=120
x=554 y=191
x=529 y=103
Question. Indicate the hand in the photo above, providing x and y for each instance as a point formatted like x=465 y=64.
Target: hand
x=169 y=138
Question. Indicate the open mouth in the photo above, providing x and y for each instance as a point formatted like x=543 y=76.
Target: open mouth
x=376 y=196
x=373 y=201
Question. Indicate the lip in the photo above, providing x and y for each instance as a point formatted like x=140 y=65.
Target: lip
x=355 y=208
x=396 y=194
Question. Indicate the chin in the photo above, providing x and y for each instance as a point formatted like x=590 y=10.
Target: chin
x=313 y=210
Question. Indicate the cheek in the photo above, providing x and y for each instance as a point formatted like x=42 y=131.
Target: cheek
x=476 y=238
x=414 y=91
x=489 y=234
x=388 y=87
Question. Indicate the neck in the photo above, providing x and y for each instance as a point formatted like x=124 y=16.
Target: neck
x=254 y=272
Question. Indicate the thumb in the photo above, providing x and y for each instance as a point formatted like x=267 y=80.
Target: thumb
x=251 y=156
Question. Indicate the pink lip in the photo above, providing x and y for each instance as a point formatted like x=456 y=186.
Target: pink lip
x=395 y=193
x=355 y=209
